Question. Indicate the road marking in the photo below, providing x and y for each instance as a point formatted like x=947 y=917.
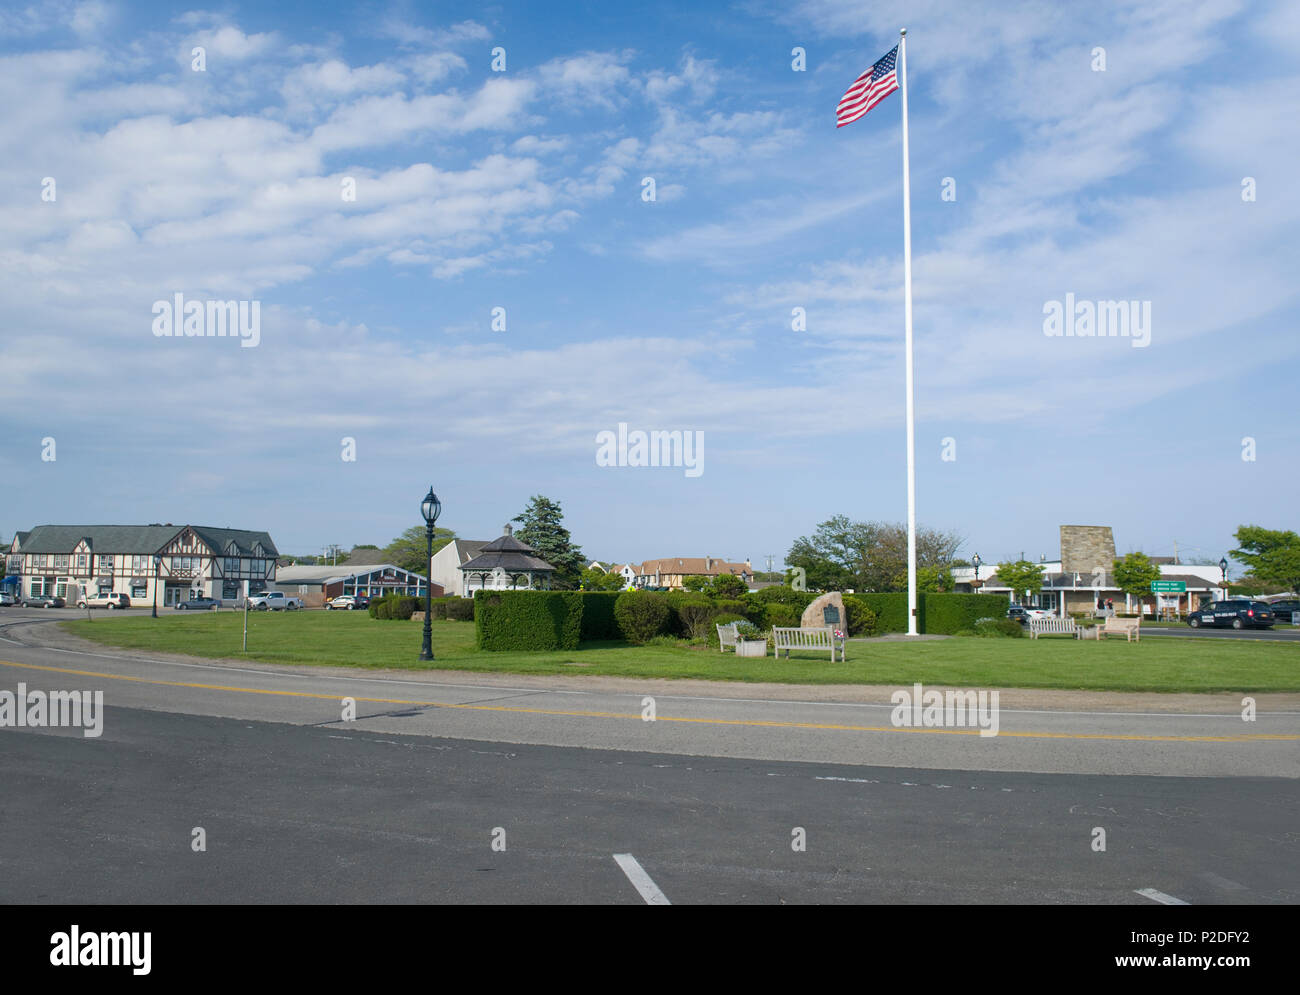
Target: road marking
x=641 y=880
x=1160 y=896
x=751 y=723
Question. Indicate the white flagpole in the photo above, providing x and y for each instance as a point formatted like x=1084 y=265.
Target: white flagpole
x=907 y=318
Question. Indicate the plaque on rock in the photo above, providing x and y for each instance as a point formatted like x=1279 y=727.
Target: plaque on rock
x=831 y=614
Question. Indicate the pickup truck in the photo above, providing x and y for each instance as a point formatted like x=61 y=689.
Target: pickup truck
x=273 y=601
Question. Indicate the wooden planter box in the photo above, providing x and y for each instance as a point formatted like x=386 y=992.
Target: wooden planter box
x=751 y=647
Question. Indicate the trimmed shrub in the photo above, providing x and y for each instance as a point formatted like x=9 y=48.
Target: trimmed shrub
x=693 y=617
x=402 y=608
x=780 y=614
x=383 y=608
x=785 y=595
x=997 y=627
x=890 y=610
x=755 y=608
x=527 y=620
x=642 y=615
x=598 y=622
x=724 y=605
x=460 y=610
x=861 y=619
x=949 y=613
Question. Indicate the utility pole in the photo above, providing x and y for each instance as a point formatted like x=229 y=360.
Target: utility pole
x=1175 y=551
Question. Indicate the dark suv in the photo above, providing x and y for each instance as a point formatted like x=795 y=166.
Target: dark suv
x=1240 y=614
x=1283 y=610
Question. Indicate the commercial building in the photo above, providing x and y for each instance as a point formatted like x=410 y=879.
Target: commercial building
x=318 y=584
x=170 y=562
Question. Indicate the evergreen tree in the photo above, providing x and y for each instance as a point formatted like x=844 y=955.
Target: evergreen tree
x=542 y=527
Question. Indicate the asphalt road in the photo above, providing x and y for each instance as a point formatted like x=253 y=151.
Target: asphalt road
x=402 y=803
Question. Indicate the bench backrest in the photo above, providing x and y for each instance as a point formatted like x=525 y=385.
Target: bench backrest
x=727 y=634
x=1051 y=624
x=1122 y=624
x=802 y=638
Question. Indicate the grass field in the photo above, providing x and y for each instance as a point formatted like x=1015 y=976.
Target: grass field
x=355 y=640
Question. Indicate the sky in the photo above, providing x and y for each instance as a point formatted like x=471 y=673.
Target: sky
x=501 y=156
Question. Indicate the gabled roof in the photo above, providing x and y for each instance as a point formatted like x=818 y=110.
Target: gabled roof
x=326 y=574
x=467 y=549
x=704 y=566
x=135 y=538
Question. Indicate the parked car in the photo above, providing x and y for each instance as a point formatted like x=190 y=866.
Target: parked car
x=197 y=604
x=43 y=601
x=8 y=601
x=104 y=601
x=273 y=601
x=1239 y=613
x=1283 y=610
x=1022 y=614
x=347 y=602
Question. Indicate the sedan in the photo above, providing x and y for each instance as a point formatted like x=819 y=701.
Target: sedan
x=197 y=604
x=8 y=601
x=43 y=601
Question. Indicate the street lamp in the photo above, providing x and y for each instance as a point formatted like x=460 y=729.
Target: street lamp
x=157 y=562
x=1223 y=568
x=975 y=560
x=430 y=508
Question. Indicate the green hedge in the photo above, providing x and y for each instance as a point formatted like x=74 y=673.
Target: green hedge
x=527 y=620
x=395 y=606
x=950 y=613
x=598 y=622
x=780 y=614
x=890 y=610
x=642 y=615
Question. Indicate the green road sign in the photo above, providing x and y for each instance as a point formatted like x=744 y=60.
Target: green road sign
x=1168 y=587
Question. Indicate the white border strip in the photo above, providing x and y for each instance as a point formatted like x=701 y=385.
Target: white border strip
x=641 y=880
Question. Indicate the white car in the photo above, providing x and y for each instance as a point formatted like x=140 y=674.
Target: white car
x=273 y=601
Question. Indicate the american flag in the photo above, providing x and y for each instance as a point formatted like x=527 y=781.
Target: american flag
x=869 y=89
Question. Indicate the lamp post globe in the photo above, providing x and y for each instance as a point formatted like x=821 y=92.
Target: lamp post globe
x=430 y=509
x=1223 y=568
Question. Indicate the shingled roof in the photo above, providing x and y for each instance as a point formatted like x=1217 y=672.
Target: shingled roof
x=508 y=553
x=136 y=538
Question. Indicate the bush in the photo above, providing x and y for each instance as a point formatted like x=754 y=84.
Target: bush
x=996 y=627
x=861 y=619
x=724 y=605
x=527 y=620
x=890 y=610
x=642 y=615
x=460 y=610
x=727 y=586
x=692 y=616
x=778 y=613
x=747 y=630
x=598 y=622
x=949 y=613
x=785 y=595
x=383 y=608
x=402 y=608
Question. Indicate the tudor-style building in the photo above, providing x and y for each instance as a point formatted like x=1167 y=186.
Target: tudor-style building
x=71 y=561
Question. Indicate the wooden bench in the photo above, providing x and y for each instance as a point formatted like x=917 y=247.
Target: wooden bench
x=727 y=636
x=1050 y=626
x=1131 y=627
x=821 y=638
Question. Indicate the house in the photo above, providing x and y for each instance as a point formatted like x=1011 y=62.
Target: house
x=625 y=570
x=318 y=584
x=672 y=571
x=168 y=562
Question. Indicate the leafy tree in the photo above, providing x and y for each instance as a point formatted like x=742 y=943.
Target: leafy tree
x=366 y=545
x=408 y=550
x=695 y=582
x=868 y=556
x=542 y=527
x=1021 y=576
x=933 y=580
x=601 y=580
x=1272 y=556
x=1134 y=574
x=727 y=586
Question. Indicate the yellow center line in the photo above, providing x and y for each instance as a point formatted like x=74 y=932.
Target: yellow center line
x=1250 y=738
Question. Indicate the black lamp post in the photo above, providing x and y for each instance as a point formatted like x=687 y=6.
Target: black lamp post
x=975 y=560
x=430 y=508
x=157 y=562
x=1223 y=568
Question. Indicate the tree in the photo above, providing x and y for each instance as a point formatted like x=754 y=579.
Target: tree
x=1021 y=576
x=1272 y=556
x=727 y=587
x=542 y=527
x=868 y=556
x=408 y=550
x=601 y=580
x=695 y=582
x=1134 y=574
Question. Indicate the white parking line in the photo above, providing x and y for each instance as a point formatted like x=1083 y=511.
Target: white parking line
x=641 y=880
x=1160 y=896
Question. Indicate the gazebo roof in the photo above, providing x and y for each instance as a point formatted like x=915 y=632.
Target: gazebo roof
x=510 y=555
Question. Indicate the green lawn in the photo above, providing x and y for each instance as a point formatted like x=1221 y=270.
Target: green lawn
x=353 y=639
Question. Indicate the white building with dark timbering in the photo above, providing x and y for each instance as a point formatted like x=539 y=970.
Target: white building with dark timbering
x=72 y=561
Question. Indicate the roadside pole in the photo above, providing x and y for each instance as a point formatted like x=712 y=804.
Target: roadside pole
x=245 y=623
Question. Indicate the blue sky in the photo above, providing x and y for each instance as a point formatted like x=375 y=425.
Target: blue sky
x=522 y=189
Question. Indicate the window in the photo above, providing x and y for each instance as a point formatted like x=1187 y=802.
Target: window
x=83 y=564
x=139 y=591
x=231 y=566
x=40 y=561
x=140 y=565
x=61 y=587
x=61 y=562
x=106 y=563
x=38 y=587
